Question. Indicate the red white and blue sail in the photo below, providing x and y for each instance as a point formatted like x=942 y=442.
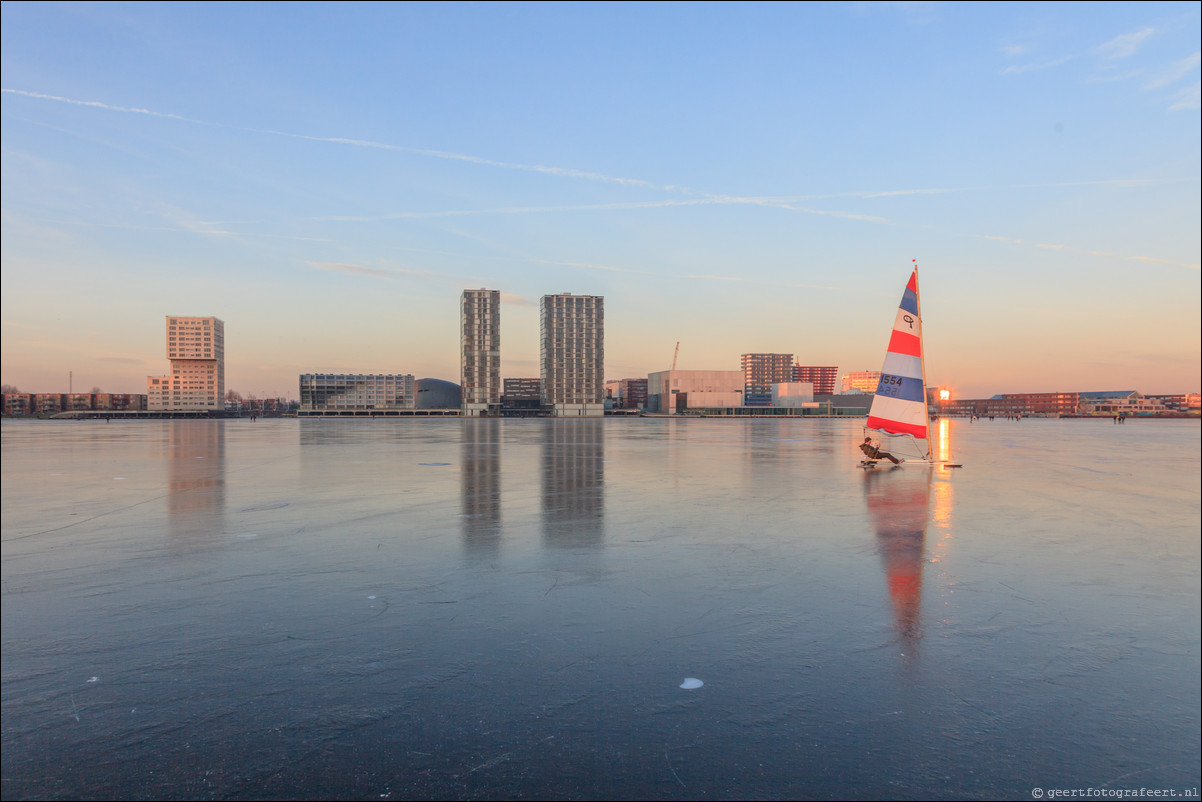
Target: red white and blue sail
x=900 y=403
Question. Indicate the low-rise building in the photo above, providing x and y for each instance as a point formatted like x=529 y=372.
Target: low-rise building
x=676 y=391
x=18 y=404
x=627 y=393
x=522 y=397
x=356 y=392
x=1120 y=402
x=794 y=395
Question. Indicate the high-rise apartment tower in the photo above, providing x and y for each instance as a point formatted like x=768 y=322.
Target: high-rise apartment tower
x=760 y=372
x=480 y=354
x=572 y=354
x=196 y=348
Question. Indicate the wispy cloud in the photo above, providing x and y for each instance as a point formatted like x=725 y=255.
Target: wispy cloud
x=585 y=266
x=1175 y=71
x=1050 y=246
x=745 y=280
x=518 y=210
x=1188 y=98
x=1125 y=45
x=98 y=105
x=195 y=227
x=354 y=270
x=563 y=172
x=1018 y=69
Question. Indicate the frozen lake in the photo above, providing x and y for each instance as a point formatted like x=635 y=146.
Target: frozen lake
x=473 y=609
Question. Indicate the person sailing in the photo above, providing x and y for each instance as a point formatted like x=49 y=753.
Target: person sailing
x=875 y=453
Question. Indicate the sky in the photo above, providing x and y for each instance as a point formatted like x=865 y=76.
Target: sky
x=328 y=178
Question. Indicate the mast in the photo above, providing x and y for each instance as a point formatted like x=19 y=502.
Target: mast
x=923 y=340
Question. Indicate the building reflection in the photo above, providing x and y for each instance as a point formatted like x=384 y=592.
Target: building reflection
x=573 y=479
x=480 y=486
x=196 y=478
x=898 y=502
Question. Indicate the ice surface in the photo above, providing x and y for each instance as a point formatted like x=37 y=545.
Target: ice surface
x=1031 y=619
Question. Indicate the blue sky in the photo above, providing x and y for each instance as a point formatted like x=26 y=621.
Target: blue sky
x=327 y=179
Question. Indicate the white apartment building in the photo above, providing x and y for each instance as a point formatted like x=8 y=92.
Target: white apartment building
x=480 y=351
x=196 y=349
x=572 y=354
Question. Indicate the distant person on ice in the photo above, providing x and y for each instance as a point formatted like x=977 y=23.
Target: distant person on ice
x=875 y=453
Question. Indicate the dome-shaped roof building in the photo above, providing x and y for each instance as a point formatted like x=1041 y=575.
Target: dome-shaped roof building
x=437 y=394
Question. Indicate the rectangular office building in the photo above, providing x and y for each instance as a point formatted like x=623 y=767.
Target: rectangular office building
x=356 y=393
x=572 y=354
x=480 y=351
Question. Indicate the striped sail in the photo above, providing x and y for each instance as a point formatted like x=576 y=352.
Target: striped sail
x=900 y=403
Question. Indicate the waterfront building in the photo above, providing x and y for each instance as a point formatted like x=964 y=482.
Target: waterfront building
x=54 y=403
x=1186 y=403
x=823 y=378
x=480 y=351
x=1120 y=402
x=47 y=403
x=627 y=393
x=572 y=354
x=1053 y=405
x=78 y=402
x=18 y=404
x=794 y=395
x=522 y=397
x=676 y=391
x=760 y=372
x=121 y=402
x=861 y=381
x=437 y=394
x=196 y=350
x=356 y=393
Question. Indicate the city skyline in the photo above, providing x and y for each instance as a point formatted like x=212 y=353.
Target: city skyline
x=735 y=178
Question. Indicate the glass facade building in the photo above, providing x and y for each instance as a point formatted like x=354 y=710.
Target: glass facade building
x=356 y=392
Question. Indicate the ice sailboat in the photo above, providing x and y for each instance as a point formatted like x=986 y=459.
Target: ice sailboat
x=899 y=407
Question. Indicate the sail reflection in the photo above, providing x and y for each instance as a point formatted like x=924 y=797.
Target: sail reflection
x=898 y=502
x=195 y=477
x=480 y=487
x=573 y=473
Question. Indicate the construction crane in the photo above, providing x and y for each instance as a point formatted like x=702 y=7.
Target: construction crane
x=674 y=355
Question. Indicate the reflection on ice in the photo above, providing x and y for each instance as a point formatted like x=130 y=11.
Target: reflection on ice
x=195 y=477
x=480 y=487
x=898 y=502
x=573 y=482
x=531 y=603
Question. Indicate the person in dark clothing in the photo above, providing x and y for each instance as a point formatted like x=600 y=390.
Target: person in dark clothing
x=875 y=453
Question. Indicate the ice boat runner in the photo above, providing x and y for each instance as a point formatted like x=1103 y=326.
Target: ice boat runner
x=899 y=408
